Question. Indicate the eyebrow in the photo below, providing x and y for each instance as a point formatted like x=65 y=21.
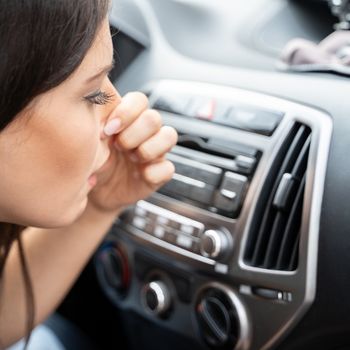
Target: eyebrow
x=103 y=71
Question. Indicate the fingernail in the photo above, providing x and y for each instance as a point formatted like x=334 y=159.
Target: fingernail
x=112 y=127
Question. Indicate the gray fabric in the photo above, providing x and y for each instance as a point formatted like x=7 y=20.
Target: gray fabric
x=331 y=54
x=56 y=333
x=42 y=338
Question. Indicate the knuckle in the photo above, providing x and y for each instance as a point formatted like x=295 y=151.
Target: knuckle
x=170 y=134
x=141 y=98
x=123 y=111
x=150 y=175
x=144 y=153
x=154 y=119
x=164 y=173
x=152 y=178
x=131 y=103
x=171 y=170
x=124 y=142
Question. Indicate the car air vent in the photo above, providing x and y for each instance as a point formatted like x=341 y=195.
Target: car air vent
x=274 y=235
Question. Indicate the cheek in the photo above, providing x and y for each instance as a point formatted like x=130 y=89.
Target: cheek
x=71 y=151
x=44 y=179
x=62 y=149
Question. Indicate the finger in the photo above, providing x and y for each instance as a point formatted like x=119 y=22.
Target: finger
x=131 y=106
x=156 y=174
x=147 y=125
x=157 y=145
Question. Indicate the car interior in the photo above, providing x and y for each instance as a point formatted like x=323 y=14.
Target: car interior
x=247 y=246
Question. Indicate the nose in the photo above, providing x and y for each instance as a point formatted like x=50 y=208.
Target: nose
x=106 y=112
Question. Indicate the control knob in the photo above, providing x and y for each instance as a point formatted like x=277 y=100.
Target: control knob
x=113 y=268
x=215 y=244
x=156 y=297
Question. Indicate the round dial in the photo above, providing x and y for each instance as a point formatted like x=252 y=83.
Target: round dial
x=215 y=244
x=156 y=297
x=114 y=268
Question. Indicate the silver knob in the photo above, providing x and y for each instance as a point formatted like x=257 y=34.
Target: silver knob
x=215 y=244
x=156 y=297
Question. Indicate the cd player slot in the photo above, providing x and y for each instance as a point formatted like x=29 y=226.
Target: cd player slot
x=240 y=164
x=213 y=186
x=215 y=146
x=211 y=174
x=201 y=172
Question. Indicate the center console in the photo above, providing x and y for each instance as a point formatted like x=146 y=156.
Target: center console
x=234 y=234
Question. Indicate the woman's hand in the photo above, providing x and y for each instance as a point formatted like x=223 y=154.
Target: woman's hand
x=137 y=165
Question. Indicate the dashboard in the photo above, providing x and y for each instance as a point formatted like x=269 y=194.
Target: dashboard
x=247 y=246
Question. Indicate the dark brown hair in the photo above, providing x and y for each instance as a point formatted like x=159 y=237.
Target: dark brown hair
x=41 y=44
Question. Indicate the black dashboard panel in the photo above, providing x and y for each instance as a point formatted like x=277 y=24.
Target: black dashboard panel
x=185 y=292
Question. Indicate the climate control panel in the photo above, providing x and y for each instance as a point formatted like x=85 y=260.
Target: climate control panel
x=180 y=232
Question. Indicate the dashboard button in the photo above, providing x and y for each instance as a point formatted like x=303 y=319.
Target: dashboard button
x=162 y=220
x=211 y=175
x=187 y=229
x=268 y=293
x=177 y=186
x=159 y=232
x=230 y=194
x=196 y=170
x=252 y=119
x=139 y=211
x=184 y=169
x=139 y=222
x=233 y=148
x=156 y=297
x=215 y=244
x=184 y=241
x=201 y=108
x=202 y=194
x=175 y=103
x=246 y=164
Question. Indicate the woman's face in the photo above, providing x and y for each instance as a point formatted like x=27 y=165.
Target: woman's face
x=50 y=151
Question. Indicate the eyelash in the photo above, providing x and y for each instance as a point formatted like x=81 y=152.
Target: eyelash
x=99 y=98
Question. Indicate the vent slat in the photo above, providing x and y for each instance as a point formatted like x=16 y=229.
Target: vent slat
x=268 y=219
x=279 y=238
x=294 y=259
x=300 y=165
x=274 y=235
x=259 y=216
x=274 y=241
x=291 y=230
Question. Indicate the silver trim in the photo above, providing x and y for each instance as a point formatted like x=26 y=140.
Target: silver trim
x=147 y=237
x=206 y=158
x=301 y=284
x=194 y=164
x=160 y=290
x=245 y=333
x=161 y=212
x=218 y=243
x=228 y=194
x=189 y=180
x=216 y=240
x=235 y=176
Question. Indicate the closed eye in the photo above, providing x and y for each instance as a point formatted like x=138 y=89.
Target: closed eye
x=100 y=98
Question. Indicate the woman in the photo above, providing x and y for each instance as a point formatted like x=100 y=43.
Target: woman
x=73 y=153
